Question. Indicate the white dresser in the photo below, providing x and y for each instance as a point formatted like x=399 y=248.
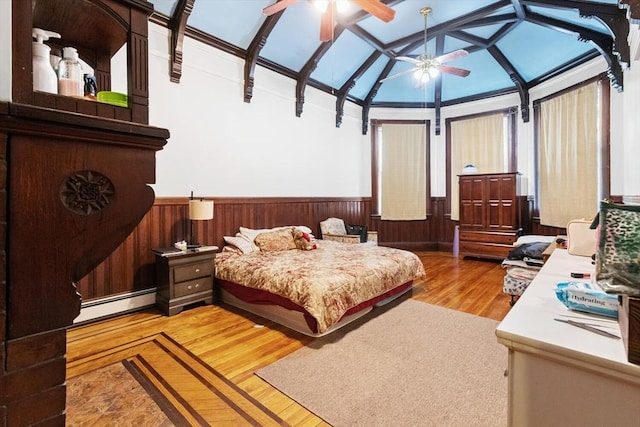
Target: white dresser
x=561 y=375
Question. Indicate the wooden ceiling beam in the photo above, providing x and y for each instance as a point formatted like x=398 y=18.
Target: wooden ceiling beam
x=253 y=52
x=605 y=44
x=516 y=78
x=342 y=94
x=177 y=25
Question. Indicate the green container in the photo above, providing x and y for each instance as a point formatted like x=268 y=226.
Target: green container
x=113 y=98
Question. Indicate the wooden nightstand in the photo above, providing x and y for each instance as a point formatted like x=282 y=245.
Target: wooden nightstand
x=184 y=279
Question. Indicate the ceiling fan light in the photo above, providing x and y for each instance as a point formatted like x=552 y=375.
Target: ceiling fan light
x=418 y=74
x=434 y=72
x=342 y=5
x=425 y=77
x=321 y=5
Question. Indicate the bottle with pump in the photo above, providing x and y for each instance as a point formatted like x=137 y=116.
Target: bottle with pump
x=44 y=76
x=70 y=75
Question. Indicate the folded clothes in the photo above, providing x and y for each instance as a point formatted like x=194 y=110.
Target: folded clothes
x=587 y=297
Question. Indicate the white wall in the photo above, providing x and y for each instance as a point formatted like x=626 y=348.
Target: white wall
x=222 y=146
x=5 y=50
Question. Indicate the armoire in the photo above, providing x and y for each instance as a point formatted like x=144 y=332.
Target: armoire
x=492 y=214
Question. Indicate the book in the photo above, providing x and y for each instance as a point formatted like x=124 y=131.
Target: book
x=166 y=251
x=205 y=248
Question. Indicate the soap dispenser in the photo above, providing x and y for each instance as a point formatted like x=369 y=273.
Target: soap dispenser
x=70 y=75
x=44 y=77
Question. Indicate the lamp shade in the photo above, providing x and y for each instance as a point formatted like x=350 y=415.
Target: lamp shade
x=200 y=209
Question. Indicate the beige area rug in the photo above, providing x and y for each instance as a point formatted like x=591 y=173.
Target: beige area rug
x=413 y=364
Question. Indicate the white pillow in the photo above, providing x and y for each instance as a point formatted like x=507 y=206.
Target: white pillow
x=240 y=242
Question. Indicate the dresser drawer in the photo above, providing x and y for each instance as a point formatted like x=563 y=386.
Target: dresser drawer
x=193 y=286
x=192 y=271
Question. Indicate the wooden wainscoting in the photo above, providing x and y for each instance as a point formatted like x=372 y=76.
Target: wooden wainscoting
x=131 y=268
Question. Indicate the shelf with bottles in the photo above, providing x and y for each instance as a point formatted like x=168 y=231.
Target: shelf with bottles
x=98 y=30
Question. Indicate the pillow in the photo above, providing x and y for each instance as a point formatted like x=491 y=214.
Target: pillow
x=529 y=250
x=304 y=241
x=251 y=234
x=278 y=240
x=240 y=243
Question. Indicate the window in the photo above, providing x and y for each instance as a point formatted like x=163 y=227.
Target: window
x=571 y=153
x=486 y=141
x=400 y=169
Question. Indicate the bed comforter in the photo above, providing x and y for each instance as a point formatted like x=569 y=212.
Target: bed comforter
x=326 y=282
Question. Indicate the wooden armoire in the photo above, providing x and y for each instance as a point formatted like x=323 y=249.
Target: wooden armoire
x=491 y=214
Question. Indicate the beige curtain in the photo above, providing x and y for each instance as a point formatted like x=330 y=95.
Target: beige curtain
x=404 y=172
x=568 y=156
x=478 y=141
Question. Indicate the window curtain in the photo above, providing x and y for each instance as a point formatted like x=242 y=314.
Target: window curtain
x=568 y=156
x=478 y=141
x=404 y=172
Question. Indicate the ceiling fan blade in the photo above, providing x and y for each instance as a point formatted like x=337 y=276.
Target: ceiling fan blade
x=377 y=9
x=460 y=53
x=401 y=73
x=326 y=25
x=409 y=59
x=453 y=70
x=277 y=7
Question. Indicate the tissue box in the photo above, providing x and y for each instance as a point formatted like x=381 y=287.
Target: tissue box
x=629 y=320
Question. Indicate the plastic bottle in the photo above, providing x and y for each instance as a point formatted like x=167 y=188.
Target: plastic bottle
x=70 y=75
x=44 y=76
x=90 y=87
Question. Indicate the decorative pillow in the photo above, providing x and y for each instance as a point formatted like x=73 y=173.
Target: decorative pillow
x=304 y=241
x=240 y=243
x=250 y=234
x=278 y=240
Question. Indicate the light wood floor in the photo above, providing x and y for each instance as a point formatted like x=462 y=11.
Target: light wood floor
x=227 y=340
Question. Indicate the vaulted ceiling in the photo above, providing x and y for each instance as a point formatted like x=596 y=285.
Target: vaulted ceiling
x=513 y=45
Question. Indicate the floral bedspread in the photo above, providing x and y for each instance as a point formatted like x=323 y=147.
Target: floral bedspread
x=326 y=281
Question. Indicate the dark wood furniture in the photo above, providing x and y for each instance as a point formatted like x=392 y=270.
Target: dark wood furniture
x=490 y=214
x=74 y=183
x=184 y=279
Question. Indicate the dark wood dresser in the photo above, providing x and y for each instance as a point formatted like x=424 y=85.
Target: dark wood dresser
x=491 y=214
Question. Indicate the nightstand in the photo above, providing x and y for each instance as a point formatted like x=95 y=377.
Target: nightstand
x=184 y=279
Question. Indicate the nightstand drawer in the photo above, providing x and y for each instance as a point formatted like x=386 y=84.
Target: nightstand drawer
x=193 y=286
x=192 y=271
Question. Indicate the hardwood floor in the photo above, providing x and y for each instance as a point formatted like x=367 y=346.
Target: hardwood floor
x=206 y=340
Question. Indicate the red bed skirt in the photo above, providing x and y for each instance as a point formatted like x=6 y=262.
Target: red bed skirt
x=258 y=296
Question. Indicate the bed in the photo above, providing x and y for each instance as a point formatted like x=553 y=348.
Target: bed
x=317 y=288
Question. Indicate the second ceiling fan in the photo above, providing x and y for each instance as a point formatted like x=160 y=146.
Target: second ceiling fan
x=374 y=7
x=427 y=67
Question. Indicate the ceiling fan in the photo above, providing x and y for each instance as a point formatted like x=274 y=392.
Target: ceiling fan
x=329 y=7
x=427 y=67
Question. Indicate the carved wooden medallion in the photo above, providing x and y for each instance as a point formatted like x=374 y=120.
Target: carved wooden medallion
x=86 y=192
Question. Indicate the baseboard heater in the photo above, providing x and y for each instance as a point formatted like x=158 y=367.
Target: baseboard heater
x=114 y=305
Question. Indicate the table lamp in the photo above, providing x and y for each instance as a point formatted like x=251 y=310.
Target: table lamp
x=199 y=209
